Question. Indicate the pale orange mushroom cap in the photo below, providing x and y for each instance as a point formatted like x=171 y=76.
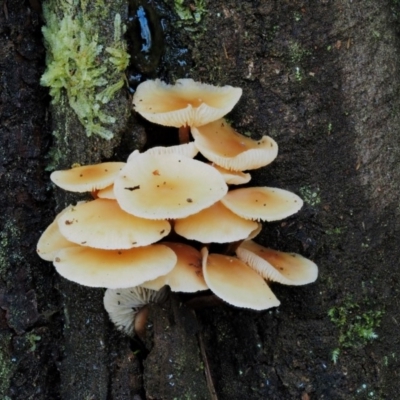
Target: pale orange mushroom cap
x=262 y=203
x=233 y=177
x=88 y=177
x=51 y=240
x=167 y=186
x=222 y=145
x=277 y=266
x=215 y=224
x=186 y=149
x=187 y=275
x=236 y=283
x=114 y=268
x=102 y=224
x=185 y=103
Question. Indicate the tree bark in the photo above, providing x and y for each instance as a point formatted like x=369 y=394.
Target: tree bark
x=322 y=79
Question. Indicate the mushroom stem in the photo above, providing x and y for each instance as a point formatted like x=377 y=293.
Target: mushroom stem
x=94 y=194
x=231 y=247
x=184 y=132
x=140 y=322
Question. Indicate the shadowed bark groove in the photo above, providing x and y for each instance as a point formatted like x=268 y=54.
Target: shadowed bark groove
x=319 y=77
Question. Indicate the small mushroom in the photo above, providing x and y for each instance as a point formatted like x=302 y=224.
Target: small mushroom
x=215 y=224
x=187 y=103
x=127 y=308
x=233 y=177
x=102 y=224
x=87 y=178
x=51 y=240
x=236 y=283
x=262 y=203
x=114 y=268
x=167 y=186
x=222 y=145
x=187 y=275
x=277 y=266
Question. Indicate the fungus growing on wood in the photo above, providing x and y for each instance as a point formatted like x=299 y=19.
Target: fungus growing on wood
x=87 y=178
x=236 y=283
x=222 y=145
x=108 y=242
x=167 y=186
x=277 y=266
x=262 y=203
x=215 y=224
x=187 y=103
x=102 y=224
x=186 y=276
x=114 y=269
x=127 y=308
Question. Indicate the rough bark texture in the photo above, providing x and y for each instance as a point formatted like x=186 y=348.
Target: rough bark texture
x=319 y=77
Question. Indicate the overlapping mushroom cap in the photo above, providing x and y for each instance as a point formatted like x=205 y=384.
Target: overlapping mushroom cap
x=167 y=186
x=187 y=103
x=236 y=283
x=277 y=266
x=116 y=240
x=87 y=178
x=221 y=144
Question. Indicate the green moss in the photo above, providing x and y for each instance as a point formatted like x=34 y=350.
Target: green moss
x=9 y=235
x=189 y=13
x=80 y=65
x=6 y=366
x=310 y=196
x=356 y=327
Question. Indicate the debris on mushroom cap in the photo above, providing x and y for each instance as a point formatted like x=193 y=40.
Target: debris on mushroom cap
x=187 y=275
x=215 y=224
x=167 y=186
x=236 y=283
x=273 y=265
x=114 y=268
x=88 y=177
x=103 y=225
x=106 y=193
x=185 y=103
x=262 y=203
x=123 y=305
x=233 y=177
x=51 y=240
x=221 y=144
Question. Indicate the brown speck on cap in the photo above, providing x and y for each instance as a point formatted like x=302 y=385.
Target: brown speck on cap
x=133 y=188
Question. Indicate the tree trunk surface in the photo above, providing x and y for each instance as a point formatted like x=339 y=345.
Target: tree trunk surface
x=322 y=79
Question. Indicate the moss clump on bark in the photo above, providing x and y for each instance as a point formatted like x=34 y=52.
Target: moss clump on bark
x=80 y=64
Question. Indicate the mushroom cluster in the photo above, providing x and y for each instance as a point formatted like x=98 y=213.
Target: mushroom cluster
x=154 y=220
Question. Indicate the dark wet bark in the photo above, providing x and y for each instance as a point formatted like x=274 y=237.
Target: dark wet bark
x=322 y=78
